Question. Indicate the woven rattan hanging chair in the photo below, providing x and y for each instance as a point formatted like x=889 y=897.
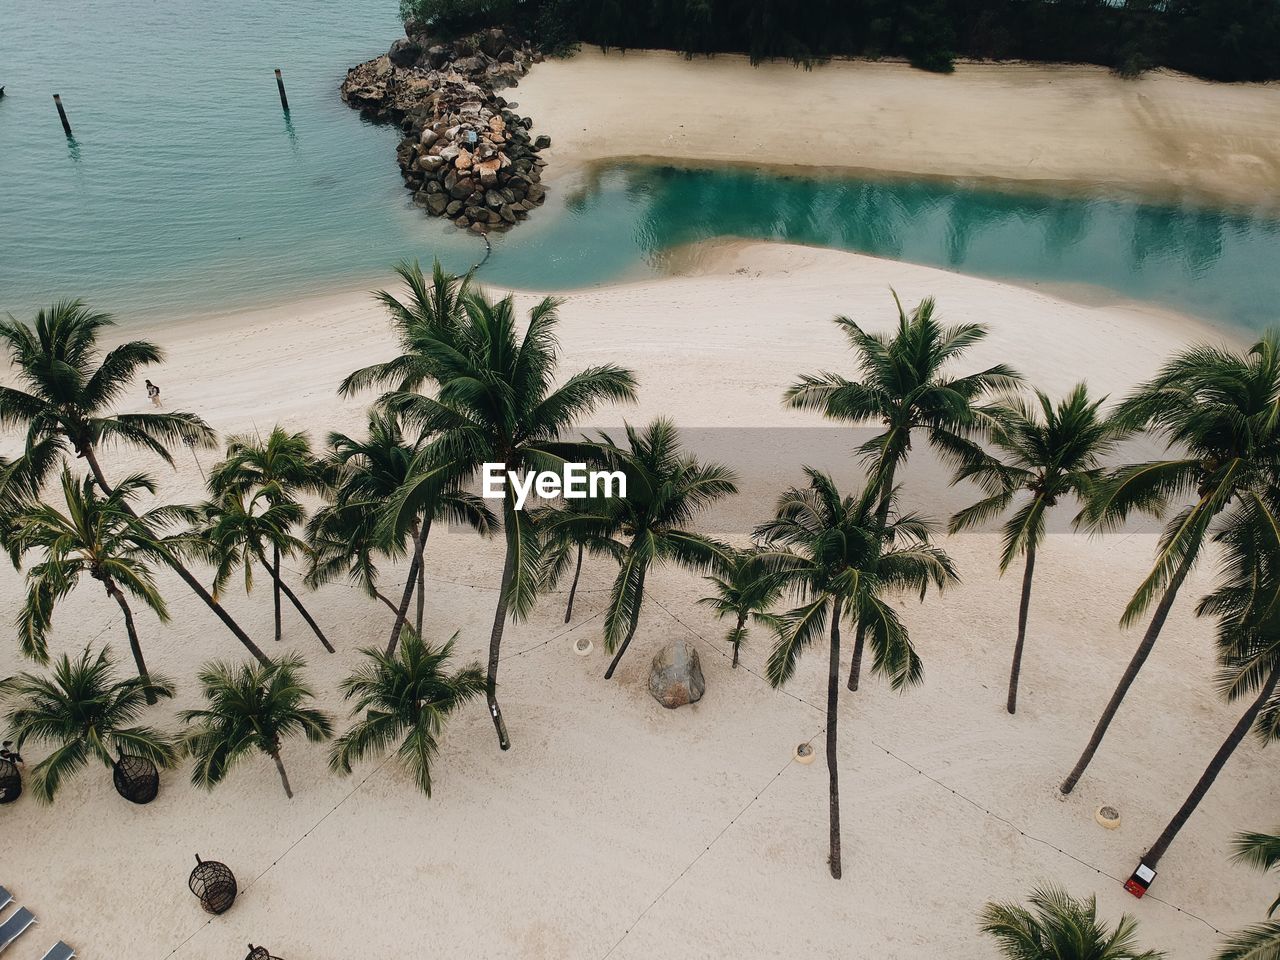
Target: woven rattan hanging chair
x=136 y=778
x=10 y=781
x=214 y=885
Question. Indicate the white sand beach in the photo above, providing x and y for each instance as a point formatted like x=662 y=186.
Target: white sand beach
x=1049 y=126
x=615 y=828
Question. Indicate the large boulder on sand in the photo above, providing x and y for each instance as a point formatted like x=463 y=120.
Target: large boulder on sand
x=675 y=677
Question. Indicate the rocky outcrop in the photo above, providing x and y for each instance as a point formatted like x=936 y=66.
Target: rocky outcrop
x=466 y=154
x=675 y=676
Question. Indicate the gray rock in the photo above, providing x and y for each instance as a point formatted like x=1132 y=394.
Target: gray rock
x=470 y=65
x=437 y=57
x=404 y=52
x=494 y=200
x=542 y=142
x=437 y=203
x=675 y=676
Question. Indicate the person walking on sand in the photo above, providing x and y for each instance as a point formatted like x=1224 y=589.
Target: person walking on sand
x=154 y=393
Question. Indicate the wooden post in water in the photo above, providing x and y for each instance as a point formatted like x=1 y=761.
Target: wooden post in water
x=284 y=101
x=62 y=115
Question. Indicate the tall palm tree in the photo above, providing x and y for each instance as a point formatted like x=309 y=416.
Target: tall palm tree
x=250 y=707
x=905 y=387
x=1061 y=927
x=1247 y=605
x=565 y=544
x=367 y=476
x=1216 y=409
x=1262 y=940
x=406 y=698
x=746 y=591
x=67 y=405
x=842 y=562
x=1043 y=453
x=496 y=403
x=283 y=466
x=235 y=530
x=666 y=489
x=97 y=537
x=86 y=712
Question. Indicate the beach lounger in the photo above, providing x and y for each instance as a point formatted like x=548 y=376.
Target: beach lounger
x=15 y=926
x=60 y=951
x=6 y=898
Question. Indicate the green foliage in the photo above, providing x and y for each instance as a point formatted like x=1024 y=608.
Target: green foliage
x=1219 y=39
x=85 y=713
x=251 y=707
x=408 y=697
x=1061 y=927
x=837 y=554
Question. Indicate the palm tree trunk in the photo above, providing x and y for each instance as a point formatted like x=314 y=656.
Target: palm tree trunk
x=293 y=598
x=1130 y=674
x=573 y=587
x=187 y=577
x=420 y=544
x=275 y=586
x=495 y=647
x=284 y=777
x=402 y=612
x=631 y=630
x=378 y=594
x=1012 y=703
x=737 y=638
x=115 y=593
x=833 y=703
x=1238 y=733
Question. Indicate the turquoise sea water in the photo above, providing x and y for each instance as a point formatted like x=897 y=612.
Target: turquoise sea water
x=187 y=190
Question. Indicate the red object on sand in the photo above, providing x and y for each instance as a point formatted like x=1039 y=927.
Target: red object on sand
x=1140 y=881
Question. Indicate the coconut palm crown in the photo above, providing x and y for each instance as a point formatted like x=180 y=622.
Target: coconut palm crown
x=85 y=712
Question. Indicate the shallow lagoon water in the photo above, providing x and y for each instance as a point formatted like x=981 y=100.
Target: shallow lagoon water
x=187 y=190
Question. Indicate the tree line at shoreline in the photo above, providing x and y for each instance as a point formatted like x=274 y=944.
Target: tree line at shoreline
x=1231 y=40
x=475 y=384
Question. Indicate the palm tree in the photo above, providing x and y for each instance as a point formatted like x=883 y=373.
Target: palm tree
x=1262 y=940
x=99 y=537
x=1247 y=604
x=1061 y=927
x=283 y=465
x=367 y=475
x=67 y=405
x=495 y=404
x=905 y=387
x=1047 y=453
x=666 y=489
x=747 y=591
x=234 y=532
x=1216 y=410
x=250 y=707
x=85 y=711
x=406 y=698
x=563 y=541
x=842 y=562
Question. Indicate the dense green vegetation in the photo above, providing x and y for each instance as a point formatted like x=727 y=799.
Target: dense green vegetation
x=1219 y=39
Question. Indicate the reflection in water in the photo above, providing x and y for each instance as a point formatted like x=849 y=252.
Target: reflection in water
x=1205 y=262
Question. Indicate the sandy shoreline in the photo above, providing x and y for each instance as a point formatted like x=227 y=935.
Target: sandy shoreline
x=614 y=827
x=1044 y=126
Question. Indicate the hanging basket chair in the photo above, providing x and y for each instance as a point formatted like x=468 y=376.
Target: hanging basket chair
x=136 y=778
x=214 y=885
x=259 y=953
x=10 y=782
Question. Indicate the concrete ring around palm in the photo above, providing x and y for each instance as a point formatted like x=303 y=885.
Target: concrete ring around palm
x=583 y=646
x=805 y=754
x=1109 y=817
